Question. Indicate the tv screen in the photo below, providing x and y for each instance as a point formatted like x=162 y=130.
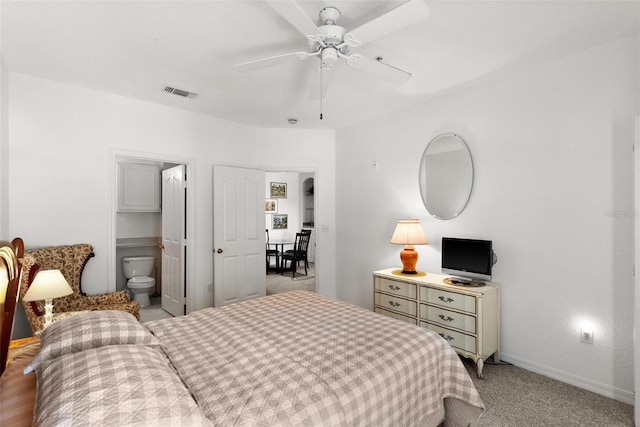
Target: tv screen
x=467 y=258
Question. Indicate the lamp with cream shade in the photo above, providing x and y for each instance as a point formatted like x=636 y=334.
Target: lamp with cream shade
x=48 y=284
x=409 y=232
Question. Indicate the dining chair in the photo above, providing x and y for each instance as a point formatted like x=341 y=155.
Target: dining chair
x=298 y=253
x=306 y=258
x=271 y=253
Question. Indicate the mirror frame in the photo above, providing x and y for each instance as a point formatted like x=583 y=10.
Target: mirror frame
x=422 y=171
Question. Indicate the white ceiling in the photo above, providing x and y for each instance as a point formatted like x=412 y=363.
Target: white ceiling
x=136 y=48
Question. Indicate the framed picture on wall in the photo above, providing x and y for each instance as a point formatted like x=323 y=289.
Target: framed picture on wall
x=270 y=206
x=279 y=222
x=278 y=190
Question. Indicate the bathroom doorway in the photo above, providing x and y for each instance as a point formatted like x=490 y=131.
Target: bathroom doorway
x=290 y=213
x=137 y=224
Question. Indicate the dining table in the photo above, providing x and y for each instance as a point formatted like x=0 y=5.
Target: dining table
x=279 y=245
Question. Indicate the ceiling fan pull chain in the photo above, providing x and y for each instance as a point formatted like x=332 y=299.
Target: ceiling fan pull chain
x=321 y=94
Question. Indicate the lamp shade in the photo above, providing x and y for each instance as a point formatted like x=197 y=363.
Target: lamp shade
x=48 y=284
x=409 y=232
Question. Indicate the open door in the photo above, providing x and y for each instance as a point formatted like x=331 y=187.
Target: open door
x=174 y=229
x=238 y=234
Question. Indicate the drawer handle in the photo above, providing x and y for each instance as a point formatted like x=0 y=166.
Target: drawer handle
x=394 y=304
x=394 y=287
x=447 y=318
x=445 y=299
x=448 y=337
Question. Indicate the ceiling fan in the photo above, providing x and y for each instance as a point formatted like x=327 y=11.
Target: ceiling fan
x=332 y=43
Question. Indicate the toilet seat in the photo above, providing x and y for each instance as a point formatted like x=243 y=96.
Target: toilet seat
x=141 y=282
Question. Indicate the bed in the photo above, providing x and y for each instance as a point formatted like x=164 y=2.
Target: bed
x=290 y=359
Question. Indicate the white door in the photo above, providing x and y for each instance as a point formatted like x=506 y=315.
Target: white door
x=174 y=230
x=238 y=234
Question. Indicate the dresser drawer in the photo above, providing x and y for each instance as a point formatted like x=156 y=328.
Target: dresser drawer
x=455 y=339
x=450 y=319
x=411 y=320
x=402 y=289
x=396 y=304
x=448 y=299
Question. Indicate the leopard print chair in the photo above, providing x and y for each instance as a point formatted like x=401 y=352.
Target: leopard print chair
x=70 y=260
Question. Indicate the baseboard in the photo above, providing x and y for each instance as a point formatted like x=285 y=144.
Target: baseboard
x=575 y=380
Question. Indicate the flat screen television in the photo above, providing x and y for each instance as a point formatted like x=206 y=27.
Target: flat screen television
x=468 y=259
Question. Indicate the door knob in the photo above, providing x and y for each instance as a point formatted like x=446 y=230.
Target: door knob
x=219 y=250
x=161 y=246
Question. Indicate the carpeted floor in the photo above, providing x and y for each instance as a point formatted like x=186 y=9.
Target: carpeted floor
x=515 y=397
x=281 y=283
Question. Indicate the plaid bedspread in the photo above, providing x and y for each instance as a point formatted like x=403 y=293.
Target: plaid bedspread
x=301 y=359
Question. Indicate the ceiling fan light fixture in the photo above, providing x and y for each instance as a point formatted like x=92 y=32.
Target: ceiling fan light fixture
x=329 y=56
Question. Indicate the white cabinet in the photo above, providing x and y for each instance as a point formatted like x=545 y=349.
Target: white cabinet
x=138 y=188
x=468 y=318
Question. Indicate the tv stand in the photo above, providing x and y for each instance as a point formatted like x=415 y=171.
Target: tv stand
x=457 y=281
x=467 y=317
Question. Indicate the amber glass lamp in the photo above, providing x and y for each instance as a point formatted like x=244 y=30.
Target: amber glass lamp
x=409 y=232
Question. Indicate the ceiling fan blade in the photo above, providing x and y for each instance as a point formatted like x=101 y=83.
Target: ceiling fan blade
x=320 y=82
x=378 y=69
x=296 y=17
x=271 y=61
x=409 y=13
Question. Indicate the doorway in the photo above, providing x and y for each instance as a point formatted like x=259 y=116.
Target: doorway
x=137 y=226
x=290 y=213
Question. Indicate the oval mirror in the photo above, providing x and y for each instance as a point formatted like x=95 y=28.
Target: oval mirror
x=446 y=176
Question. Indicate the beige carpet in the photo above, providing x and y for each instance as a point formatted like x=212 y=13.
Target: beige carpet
x=515 y=397
x=281 y=283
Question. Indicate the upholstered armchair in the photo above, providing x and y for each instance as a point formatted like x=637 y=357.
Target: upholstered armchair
x=70 y=260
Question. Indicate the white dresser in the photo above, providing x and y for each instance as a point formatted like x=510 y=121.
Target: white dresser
x=468 y=318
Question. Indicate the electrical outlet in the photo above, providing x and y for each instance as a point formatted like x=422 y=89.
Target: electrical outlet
x=586 y=336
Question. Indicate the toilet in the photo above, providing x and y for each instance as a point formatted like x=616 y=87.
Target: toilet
x=137 y=270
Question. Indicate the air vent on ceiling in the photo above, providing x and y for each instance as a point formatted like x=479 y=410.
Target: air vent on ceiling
x=180 y=92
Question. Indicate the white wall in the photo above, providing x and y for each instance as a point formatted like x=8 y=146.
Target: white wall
x=4 y=146
x=138 y=224
x=289 y=206
x=553 y=189
x=61 y=137
x=4 y=152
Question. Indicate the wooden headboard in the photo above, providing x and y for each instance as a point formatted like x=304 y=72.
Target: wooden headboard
x=10 y=268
